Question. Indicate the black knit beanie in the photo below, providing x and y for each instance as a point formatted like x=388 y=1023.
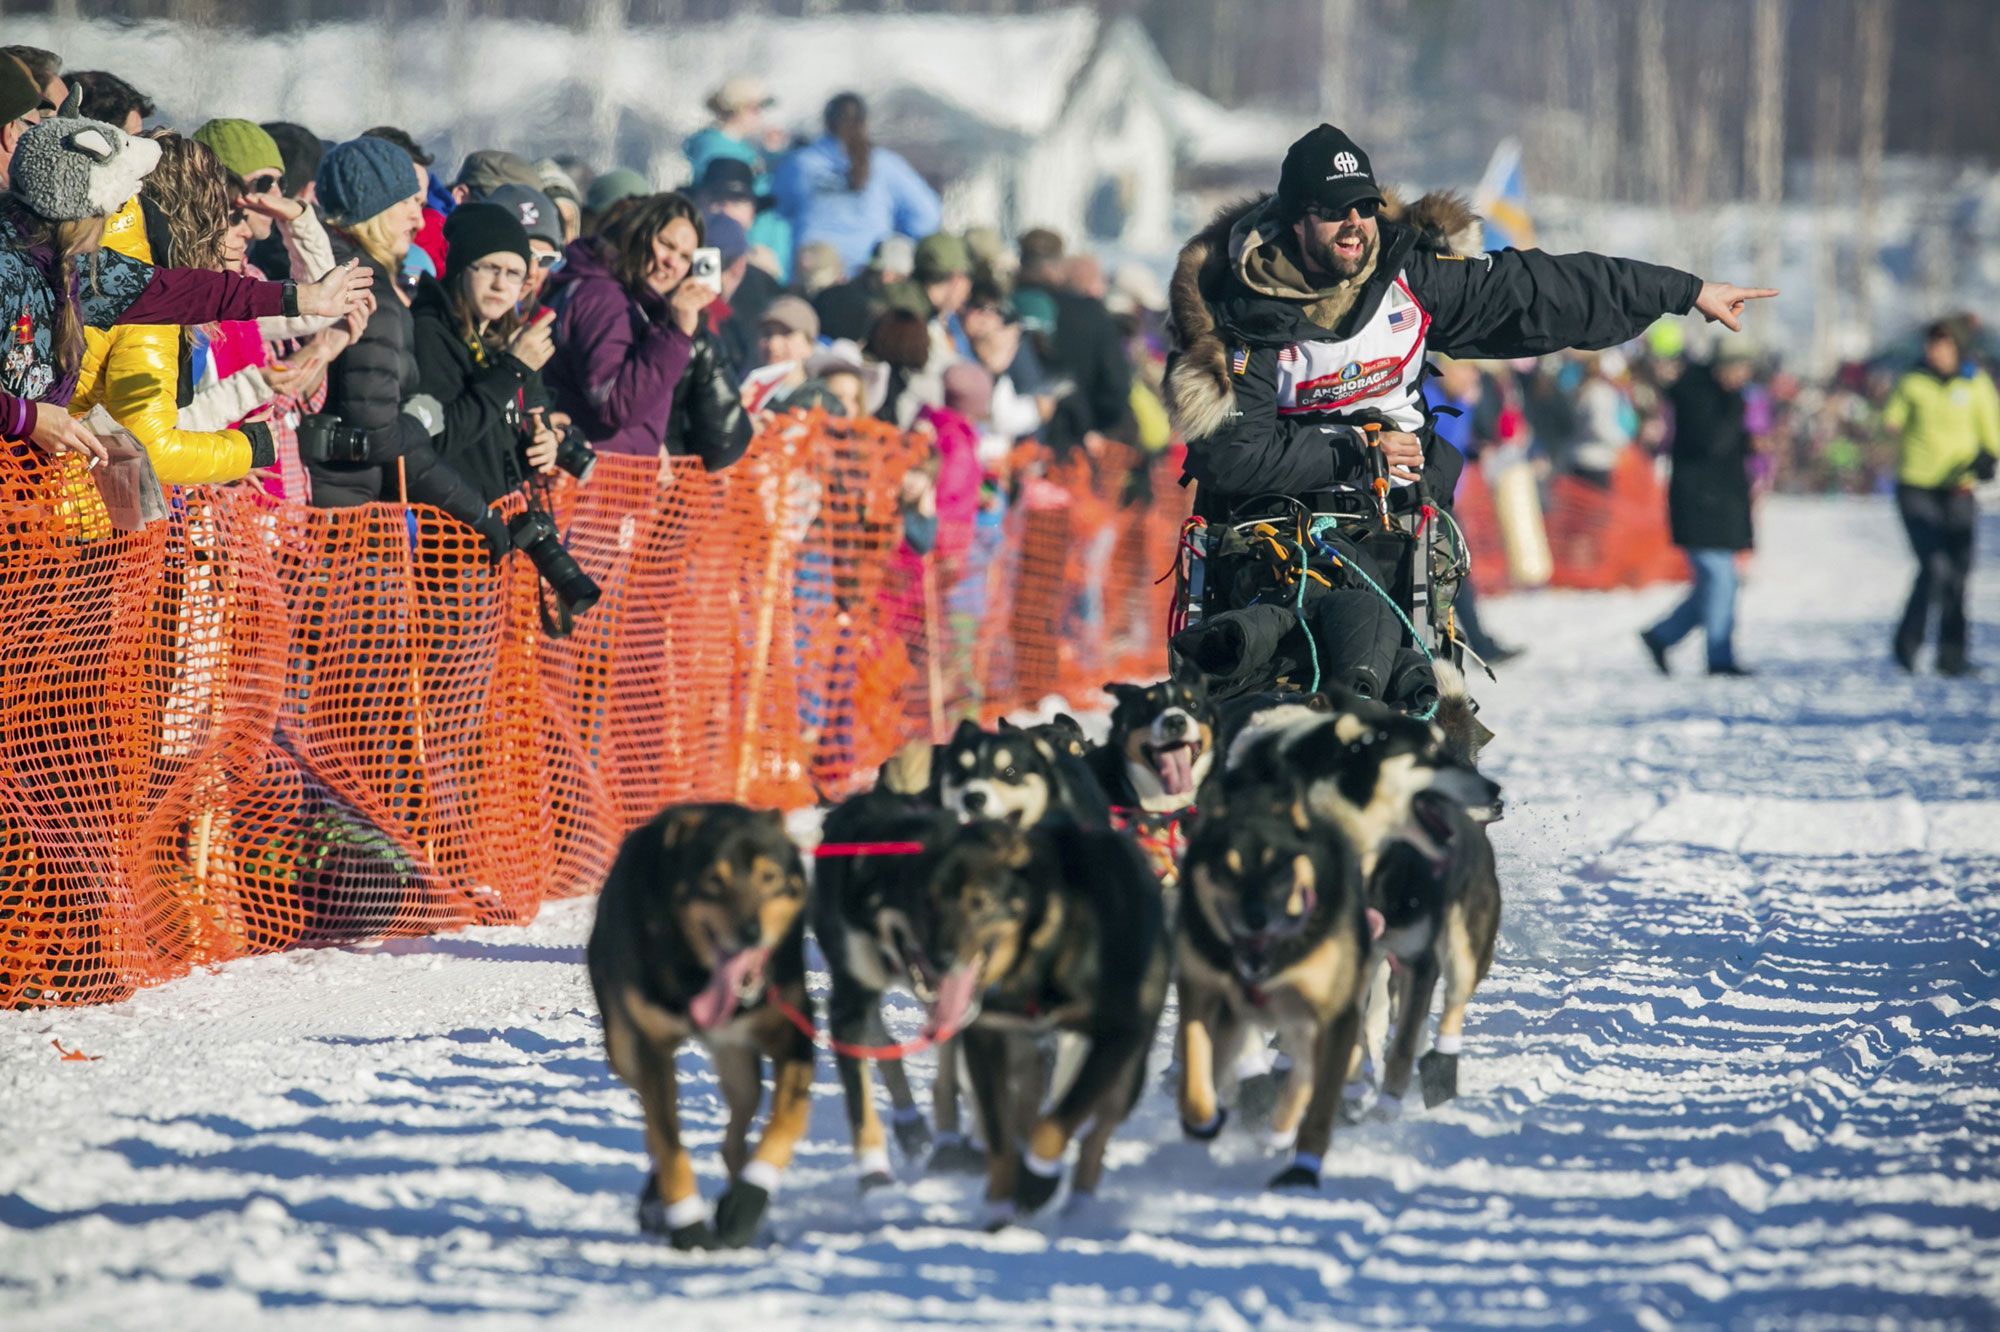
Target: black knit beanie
x=476 y=230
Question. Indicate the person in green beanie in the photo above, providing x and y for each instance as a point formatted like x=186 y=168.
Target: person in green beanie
x=607 y=189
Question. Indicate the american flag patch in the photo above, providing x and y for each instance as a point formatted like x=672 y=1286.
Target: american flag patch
x=1405 y=318
x=1289 y=354
x=1239 y=360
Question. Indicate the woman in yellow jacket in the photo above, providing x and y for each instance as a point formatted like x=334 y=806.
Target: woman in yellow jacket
x=1948 y=428
x=135 y=371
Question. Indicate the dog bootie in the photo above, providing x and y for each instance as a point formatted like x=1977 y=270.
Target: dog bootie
x=1207 y=1132
x=1439 y=1074
x=913 y=1135
x=740 y=1209
x=1035 y=1182
x=686 y=1231
x=1302 y=1173
x=953 y=1155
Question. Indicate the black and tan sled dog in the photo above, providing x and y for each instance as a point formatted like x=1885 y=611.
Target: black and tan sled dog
x=702 y=917
x=860 y=917
x=1056 y=928
x=1273 y=935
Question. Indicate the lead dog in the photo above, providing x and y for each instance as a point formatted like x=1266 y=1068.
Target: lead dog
x=701 y=918
x=867 y=939
x=1272 y=936
x=1050 y=929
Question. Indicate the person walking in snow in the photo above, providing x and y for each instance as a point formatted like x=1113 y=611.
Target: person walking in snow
x=1947 y=423
x=1708 y=504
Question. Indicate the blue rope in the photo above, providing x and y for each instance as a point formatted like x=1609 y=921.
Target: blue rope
x=1299 y=609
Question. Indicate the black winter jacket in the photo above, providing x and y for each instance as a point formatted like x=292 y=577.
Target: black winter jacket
x=1708 y=496
x=486 y=398
x=1506 y=303
x=365 y=389
x=367 y=386
x=708 y=421
x=1086 y=349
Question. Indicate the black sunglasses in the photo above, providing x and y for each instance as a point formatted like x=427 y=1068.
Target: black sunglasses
x=1365 y=209
x=260 y=185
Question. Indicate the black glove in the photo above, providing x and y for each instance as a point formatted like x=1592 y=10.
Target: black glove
x=1984 y=466
x=492 y=529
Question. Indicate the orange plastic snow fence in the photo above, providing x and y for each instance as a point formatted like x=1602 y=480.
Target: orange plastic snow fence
x=258 y=725
x=1601 y=537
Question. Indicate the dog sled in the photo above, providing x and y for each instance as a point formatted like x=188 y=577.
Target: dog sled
x=1352 y=588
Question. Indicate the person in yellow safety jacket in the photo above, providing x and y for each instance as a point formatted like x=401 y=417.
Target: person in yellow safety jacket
x=134 y=370
x=1948 y=424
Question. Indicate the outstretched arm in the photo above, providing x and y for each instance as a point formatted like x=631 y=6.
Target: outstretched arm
x=1527 y=303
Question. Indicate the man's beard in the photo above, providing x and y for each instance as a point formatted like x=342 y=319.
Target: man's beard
x=1324 y=259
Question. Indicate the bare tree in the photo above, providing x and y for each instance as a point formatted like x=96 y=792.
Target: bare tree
x=1656 y=110
x=1873 y=36
x=1336 y=64
x=1764 y=139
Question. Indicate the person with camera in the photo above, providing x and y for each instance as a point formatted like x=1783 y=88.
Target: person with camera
x=373 y=438
x=628 y=309
x=481 y=359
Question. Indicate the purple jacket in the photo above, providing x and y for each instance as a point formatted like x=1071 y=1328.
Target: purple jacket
x=617 y=359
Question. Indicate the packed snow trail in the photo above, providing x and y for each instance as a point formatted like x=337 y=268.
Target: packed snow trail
x=1738 y=1064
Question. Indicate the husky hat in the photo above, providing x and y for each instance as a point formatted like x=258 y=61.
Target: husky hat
x=70 y=167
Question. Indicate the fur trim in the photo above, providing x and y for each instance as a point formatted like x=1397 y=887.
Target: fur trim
x=1444 y=218
x=1200 y=396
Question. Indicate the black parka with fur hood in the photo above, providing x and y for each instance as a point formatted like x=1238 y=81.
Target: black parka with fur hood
x=1238 y=288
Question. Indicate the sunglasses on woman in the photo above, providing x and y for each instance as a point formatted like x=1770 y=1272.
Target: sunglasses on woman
x=260 y=184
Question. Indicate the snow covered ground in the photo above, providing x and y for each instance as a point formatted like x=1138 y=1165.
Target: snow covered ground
x=1738 y=1065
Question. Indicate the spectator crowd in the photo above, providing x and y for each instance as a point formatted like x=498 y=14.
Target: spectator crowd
x=516 y=318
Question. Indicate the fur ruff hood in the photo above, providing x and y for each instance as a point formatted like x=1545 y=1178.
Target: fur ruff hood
x=1240 y=247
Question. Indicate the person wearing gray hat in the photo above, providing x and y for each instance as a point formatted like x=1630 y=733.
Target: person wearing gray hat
x=488 y=169
x=537 y=214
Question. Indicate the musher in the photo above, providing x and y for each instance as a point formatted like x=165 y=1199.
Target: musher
x=1300 y=323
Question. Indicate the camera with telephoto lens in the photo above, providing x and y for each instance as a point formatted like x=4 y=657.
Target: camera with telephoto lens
x=575 y=456
x=534 y=534
x=324 y=438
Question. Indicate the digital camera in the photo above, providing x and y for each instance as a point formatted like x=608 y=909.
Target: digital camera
x=574 y=455
x=328 y=439
x=534 y=534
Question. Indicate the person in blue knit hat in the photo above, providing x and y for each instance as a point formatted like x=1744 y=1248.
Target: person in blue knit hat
x=373 y=438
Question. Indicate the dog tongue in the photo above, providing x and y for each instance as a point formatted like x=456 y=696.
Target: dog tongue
x=717 y=1001
x=1376 y=923
x=1176 y=768
x=954 y=1000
